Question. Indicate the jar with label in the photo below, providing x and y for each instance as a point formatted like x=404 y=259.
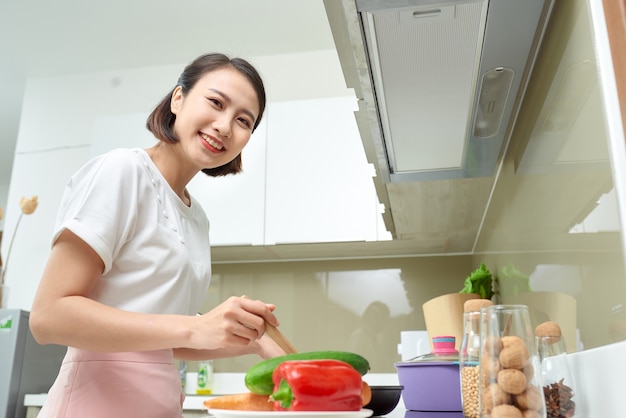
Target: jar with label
x=205 y=378
x=556 y=377
x=509 y=383
x=469 y=356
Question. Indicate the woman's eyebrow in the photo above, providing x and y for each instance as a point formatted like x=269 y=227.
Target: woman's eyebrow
x=229 y=100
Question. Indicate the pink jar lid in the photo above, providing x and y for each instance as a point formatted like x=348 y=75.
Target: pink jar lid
x=444 y=345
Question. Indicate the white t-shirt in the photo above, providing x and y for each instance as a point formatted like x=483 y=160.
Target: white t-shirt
x=155 y=249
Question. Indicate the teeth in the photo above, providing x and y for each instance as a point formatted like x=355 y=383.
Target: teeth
x=211 y=142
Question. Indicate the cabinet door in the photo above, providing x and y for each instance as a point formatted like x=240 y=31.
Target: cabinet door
x=319 y=184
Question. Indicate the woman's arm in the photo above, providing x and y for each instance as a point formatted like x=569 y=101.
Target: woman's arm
x=63 y=313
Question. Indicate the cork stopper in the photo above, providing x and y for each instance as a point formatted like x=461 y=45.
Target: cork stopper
x=549 y=330
x=474 y=305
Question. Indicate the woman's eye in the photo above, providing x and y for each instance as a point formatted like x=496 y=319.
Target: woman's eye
x=246 y=122
x=216 y=102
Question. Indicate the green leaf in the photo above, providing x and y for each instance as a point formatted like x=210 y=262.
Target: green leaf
x=480 y=282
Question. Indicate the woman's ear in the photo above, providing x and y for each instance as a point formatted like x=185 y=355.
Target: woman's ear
x=176 y=100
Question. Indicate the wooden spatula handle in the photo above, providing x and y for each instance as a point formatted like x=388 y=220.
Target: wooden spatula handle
x=279 y=338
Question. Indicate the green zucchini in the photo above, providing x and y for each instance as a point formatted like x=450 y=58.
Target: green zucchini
x=258 y=379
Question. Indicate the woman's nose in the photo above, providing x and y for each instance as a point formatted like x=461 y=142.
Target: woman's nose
x=222 y=125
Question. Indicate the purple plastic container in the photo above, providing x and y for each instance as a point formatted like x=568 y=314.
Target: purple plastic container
x=433 y=414
x=431 y=382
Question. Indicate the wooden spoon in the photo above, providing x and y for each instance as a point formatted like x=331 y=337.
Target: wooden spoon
x=279 y=338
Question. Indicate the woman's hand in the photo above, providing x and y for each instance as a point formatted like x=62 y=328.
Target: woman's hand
x=238 y=321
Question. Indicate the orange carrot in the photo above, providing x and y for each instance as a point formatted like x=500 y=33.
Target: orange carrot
x=241 y=401
x=366 y=394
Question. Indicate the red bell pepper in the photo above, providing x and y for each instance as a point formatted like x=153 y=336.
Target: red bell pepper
x=316 y=385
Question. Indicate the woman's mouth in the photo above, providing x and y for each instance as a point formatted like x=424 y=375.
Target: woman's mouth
x=213 y=143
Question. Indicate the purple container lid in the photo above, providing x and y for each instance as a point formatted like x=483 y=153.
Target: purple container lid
x=443 y=352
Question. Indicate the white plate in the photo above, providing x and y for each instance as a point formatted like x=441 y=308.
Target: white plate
x=223 y=413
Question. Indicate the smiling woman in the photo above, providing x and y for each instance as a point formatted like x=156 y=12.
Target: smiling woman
x=131 y=253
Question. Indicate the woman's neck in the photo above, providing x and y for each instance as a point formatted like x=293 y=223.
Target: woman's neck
x=171 y=166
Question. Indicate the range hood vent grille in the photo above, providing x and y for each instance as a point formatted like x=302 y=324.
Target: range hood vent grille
x=425 y=88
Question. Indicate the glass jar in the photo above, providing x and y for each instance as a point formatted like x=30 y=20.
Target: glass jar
x=469 y=356
x=556 y=377
x=509 y=382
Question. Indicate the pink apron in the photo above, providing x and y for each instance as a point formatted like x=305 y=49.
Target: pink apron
x=115 y=385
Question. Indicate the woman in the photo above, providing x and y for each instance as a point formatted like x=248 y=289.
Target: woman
x=130 y=260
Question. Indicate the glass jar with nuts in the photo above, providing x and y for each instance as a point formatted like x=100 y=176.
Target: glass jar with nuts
x=509 y=379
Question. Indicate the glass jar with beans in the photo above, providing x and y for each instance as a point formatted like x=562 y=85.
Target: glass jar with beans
x=469 y=356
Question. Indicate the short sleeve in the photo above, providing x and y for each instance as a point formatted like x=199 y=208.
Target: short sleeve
x=100 y=201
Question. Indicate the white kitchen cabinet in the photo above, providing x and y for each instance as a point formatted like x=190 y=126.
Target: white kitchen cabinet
x=306 y=179
x=319 y=184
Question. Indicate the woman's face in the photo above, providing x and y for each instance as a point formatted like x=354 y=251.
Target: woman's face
x=215 y=119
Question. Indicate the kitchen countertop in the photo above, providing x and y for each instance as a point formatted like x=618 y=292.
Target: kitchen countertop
x=194 y=403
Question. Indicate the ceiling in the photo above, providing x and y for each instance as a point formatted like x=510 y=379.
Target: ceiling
x=40 y=38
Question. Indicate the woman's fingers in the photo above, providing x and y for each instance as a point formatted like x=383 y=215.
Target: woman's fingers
x=240 y=320
x=262 y=309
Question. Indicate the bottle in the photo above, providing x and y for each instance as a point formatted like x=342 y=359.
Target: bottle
x=469 y=356
x=182 y=372
x=509 y=382
x=205 y=377
x=556 y=377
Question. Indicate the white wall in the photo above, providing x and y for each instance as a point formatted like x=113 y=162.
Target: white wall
x=59 y=117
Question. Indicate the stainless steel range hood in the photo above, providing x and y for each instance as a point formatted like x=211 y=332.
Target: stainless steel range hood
x=439 y=84
x=446 y=77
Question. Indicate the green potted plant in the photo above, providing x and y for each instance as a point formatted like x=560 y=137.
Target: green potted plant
x=480 y=282
x=443 y=315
